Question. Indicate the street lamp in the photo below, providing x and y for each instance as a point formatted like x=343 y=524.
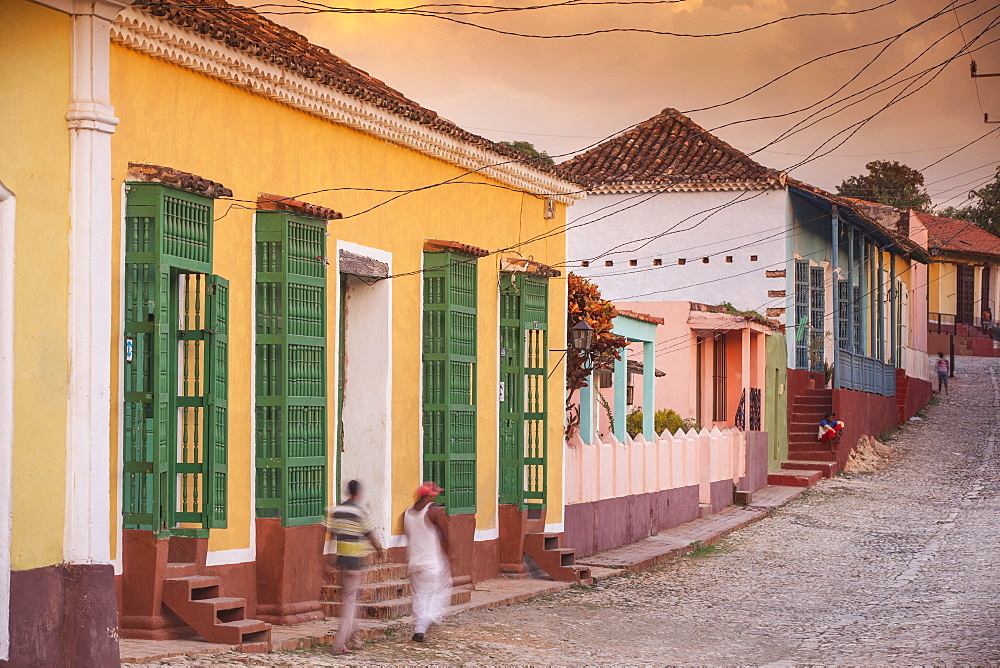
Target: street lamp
x=935 y=251
x=581 y=335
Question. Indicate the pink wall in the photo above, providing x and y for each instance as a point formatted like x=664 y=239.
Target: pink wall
x=675 y=356
x=917 y=285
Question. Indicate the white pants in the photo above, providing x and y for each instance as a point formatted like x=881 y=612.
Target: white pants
x=431 y=587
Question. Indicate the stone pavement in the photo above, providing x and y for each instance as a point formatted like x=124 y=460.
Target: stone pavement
x=497 y=593
x=896 y=567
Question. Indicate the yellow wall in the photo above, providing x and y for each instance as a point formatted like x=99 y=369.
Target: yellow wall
x=173 y=117
x=34 y=165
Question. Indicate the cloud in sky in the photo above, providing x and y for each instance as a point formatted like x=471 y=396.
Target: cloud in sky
x=564 y=94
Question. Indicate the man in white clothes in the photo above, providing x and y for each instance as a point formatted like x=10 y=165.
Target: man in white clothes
x=427 y=549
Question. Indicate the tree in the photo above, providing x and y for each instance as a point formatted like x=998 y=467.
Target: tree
x=985 y=211
x=529 y=149
x=586 y=303
x=888 y=183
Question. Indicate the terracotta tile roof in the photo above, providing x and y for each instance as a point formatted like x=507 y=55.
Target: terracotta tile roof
x=243 y=29
x=530 y=266
x=270 y=202
x=668 y=151
x=959 y=235
x=176 y=178
x=863 y=215
x=441 y=245
x=645 y=317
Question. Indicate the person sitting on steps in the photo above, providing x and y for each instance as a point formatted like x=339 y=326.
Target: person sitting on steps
x=829 y=429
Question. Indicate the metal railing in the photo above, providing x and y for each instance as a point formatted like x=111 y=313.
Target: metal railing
x=865 y=374
x=942 y=323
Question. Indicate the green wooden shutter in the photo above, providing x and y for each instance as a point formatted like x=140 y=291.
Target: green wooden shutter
x=449 y=374
x=512 y=377
x=802 y=314
x=535 y=308
x=291 y=419
x=170 y=438
x=523 y=369
x=216 y=399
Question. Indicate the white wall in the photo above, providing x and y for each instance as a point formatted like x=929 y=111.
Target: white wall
x=367 y=455
x=6 y=406
x=753 y=225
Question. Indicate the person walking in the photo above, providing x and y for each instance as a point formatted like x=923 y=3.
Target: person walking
x=427 y=550
x=942 y=370
x=351 y=526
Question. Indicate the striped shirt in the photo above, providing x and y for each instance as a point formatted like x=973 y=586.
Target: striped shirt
x=350 y=525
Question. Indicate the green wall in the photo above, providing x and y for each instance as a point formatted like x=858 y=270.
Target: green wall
x=776 y=408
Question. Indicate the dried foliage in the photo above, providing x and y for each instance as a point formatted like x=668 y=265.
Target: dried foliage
x=586 y=303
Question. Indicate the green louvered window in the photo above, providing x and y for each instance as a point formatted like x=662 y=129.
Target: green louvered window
x=176 y=363
x=291 y=396
x=524 y=303
x=449 y=377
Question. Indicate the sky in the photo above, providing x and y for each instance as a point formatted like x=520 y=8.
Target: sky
x=564 y=95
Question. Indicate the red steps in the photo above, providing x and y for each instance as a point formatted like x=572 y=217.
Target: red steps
x=788 y=478
x=558 y=562
x=218 y=619
x=808 y=460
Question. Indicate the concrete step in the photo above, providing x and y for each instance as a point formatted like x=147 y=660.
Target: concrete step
x=829 y=469
x=372 y=574
x=393 y=608
x=372 y=592
x=811 y=455
x=794 y=478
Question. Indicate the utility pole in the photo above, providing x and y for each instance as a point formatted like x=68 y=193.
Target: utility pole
x=976 y=75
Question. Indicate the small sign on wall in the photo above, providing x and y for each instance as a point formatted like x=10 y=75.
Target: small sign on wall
x=503 y=391
x=128 y=350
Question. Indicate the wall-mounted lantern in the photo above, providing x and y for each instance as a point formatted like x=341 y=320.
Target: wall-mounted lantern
x=581 y=335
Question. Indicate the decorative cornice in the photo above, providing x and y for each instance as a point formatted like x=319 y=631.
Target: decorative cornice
x=188 y=49
x=91 y=116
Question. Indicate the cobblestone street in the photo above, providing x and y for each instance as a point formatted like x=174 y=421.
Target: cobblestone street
x=894 y=567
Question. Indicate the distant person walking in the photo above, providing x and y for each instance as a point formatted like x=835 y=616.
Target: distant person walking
x=987 y=318
x=942 y=369
x=427 y=549
x=351 y=526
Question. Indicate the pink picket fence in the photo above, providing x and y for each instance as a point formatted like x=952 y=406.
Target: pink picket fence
x=609 y=469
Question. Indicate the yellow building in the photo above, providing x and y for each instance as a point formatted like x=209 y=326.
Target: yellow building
x=236 y=272
x=963 y=284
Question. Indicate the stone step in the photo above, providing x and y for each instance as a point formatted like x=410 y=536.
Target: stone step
x=811 y=455
x=372 y=574
x=829 y=469
x=393 y=608
x=372 y=592
x=794 y=478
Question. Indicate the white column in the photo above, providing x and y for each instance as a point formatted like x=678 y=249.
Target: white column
x=91 y=122
x=6 y=407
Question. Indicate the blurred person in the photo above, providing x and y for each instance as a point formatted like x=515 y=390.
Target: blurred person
x=427 y=550
x=351 y=526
